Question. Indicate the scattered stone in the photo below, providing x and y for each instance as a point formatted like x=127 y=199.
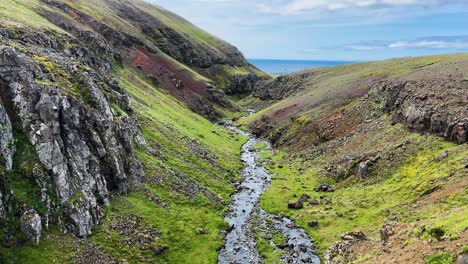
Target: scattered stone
x=202 y=231
x=324 y=188
x=134 y=232
x=357 y=235
x=313 y=224
x=385 y=233
x=339 y=250
x=160 y=250
x=314 y=202
x=363 y=169
x=296 y=205
x=443 y=156
x=300 y=203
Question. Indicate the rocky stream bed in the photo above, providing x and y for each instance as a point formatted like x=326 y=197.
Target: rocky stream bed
x=245 y=215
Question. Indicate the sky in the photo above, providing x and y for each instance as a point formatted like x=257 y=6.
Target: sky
x=354 y=30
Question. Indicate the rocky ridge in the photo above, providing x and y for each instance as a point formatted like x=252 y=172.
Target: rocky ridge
x=84 y=149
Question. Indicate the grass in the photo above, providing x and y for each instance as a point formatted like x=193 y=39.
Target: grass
x=328 y=89
x=53 y=248
x=168 y=124
x=439 y=258
x=270 y=253
x=20 y=13
x=365 y=205
x=179 y=226
x=260 y=145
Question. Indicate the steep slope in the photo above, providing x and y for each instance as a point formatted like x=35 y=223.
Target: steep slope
x=105 y=134
x=379 y=148
x=188 y=62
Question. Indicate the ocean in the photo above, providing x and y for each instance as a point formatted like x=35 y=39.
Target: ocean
x=282 y=67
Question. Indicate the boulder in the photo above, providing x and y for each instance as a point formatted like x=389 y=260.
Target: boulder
x=159 y=250
x=385 y=233
x=462 y=259
x=31 y=225
x=324 y=188
x=362 y=169
x=313 y=223
x=443 y=156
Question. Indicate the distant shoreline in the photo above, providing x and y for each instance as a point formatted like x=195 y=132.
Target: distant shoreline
x=277 y=67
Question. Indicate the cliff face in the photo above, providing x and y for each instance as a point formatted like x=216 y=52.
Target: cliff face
x=69 y=132
x=82 y=148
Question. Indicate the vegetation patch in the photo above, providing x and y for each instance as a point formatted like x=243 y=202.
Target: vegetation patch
x=439 y=258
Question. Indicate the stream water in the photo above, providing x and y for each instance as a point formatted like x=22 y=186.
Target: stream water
x=245 y=214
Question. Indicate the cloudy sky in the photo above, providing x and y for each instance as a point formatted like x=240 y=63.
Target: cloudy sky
x=356 y=30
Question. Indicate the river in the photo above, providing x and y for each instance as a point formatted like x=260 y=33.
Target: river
x=240 y=244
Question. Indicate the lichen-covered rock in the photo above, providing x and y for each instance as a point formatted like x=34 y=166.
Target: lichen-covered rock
x=242 y=84
x=362 y=169
x=31 y=225
x=7 y=148
x=82 y=146
x=338 y=253
x=2 y=207
x=419 y=103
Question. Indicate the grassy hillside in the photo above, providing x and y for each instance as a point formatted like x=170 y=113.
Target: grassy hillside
x=189 y=171
x=176 y=214
x=334 y=130
x=152 y=39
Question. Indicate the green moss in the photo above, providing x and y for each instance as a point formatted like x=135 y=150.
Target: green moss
x=366 y=204
x=179 y=226
x=270 y=253
x=53 y=248
x=439 y=258
x=21 y=13
x=464 y=250
x=55 y=71
x=436 y=233
x=173 y=131
x=118 y=111
x=260 y=145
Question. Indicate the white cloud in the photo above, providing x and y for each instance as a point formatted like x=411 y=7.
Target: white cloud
x=428 y=45
x=302 y=6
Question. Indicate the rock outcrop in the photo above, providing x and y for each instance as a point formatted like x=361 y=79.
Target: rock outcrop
x=281 y=87
x=243 y=84
x=338 y=253
x=84 y=148
x=6 y=139
x=31 y=225
x=419 y=104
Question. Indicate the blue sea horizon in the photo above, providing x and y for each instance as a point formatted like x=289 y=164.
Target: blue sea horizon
x=282 y=67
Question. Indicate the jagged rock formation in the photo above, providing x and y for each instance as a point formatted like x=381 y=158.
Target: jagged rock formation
x=280 y=87
x=420 y=105
x=80 y=144
x=243 y=84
